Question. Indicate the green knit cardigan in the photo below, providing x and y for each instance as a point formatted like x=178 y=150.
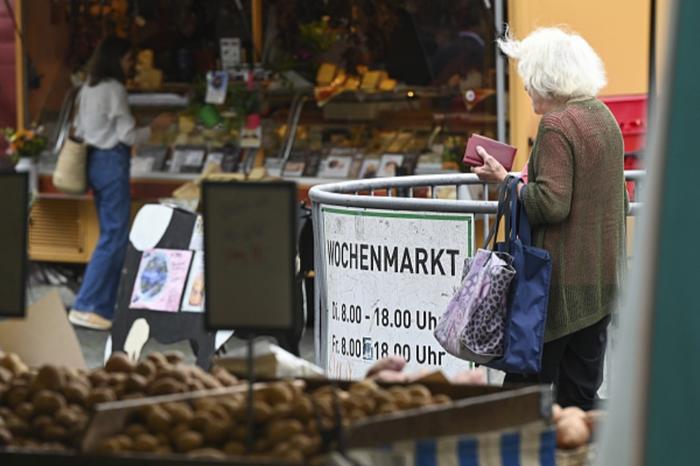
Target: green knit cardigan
x=576 y=202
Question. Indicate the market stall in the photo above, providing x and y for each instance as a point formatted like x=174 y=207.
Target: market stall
x=310 y=95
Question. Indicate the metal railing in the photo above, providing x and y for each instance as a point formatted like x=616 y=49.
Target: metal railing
x=397 y=193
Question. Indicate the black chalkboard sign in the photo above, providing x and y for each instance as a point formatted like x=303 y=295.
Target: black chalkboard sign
x=14 y=204
x=250 y=255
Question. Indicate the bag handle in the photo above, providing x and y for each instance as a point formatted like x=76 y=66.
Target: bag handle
x=517 y=224
x=502 y=211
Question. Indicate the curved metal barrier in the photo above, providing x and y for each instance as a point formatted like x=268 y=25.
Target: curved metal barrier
x=409 y=193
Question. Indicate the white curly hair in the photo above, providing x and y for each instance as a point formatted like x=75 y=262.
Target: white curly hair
x=556 y=64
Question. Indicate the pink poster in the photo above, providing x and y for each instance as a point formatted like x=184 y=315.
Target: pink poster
x=160 y=280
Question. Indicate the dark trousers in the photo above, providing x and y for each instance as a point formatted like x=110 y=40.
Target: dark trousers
x=574 y=364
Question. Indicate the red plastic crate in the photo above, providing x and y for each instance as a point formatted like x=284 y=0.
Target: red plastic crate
x=630 y=111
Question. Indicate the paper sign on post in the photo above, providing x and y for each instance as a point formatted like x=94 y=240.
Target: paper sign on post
x=389 y=276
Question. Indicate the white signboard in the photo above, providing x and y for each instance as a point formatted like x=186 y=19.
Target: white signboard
x=389 y=277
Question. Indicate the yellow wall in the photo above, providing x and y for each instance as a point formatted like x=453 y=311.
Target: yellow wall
x=618 y=30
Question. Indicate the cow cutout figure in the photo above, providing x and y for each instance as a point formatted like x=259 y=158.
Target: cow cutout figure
x=161 y=289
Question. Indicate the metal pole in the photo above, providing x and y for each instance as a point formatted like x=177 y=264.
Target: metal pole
x=500 y=75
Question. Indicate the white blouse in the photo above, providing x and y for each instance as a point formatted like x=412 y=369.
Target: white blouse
x=104 y=119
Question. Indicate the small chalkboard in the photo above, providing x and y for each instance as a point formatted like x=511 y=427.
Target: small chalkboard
x=249 y=255
x=14 y=205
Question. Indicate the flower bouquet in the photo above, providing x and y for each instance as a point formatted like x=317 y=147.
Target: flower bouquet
x=24 y=143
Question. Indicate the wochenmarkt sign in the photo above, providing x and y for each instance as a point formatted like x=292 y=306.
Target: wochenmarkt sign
x=388 y=278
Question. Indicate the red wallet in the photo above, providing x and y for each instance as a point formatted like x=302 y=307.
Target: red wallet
x=502 y=152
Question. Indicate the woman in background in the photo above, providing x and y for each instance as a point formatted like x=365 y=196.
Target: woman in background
x=576 y=202
x=107 y=126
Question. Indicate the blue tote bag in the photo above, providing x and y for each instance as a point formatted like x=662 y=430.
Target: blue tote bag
x=529 y=291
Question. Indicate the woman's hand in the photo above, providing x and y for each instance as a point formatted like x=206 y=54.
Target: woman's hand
x=491 y=170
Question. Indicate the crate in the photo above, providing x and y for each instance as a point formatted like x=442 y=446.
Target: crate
x=630 y=111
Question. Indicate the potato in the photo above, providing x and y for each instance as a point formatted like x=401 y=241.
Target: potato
x=324 y=406
x=119 y=362
x=207 y=454
x=158 y=359
x=180 y=412
x=281 y=411
x=293 y=456
x=195 y=385
x=305 y=444
x=188 y=441
x=54 y=432
x=18 y=427
x=174 y=356
x=281 y=448
x=158 y=420
x=25 y=411
x=280 y=430
x=109 y=446
x=117 y=379
x=239 y=433
x=387 y=408
x=177 y=429
x=572 y=432
x=13 y=362
x=419 y=391
x=146 y=368
x=76 y=392
x=5 y=437
x=402 y=397
x=277 y=393
x=16 y=395
x=232 y=406
x=165 y=386
x=39 y=422
x=368 y=405
x=100 y=395
x=48 y=402
x=225 y=377
x=200 y=420
x=5 y=375
x=366 y=386
x=134 y=430
x=135 y=383
x=133 y=396
x=178 y=374
x=261 y=412
x=209 y=381
x=216 y=432
x=262 y=445
x=99 y=378
x=356 y=415
x=302 y=408
x=145 y=443
x=440 y=399
x=67 y=417
x=234 y=448
x=125 y=442
x=48 y=378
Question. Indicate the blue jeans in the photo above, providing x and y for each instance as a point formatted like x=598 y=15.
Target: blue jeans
x=108 y=176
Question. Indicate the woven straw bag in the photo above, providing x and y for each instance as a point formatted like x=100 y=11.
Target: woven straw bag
x=70 y=175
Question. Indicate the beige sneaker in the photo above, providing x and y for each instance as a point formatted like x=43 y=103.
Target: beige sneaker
x=89 y=320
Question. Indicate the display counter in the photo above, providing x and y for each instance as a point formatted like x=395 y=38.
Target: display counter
x=64 y=227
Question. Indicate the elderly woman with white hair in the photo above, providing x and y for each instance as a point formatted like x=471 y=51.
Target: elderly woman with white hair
x=576 y=203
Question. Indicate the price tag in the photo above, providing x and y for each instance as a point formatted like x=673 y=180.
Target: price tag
x=389 y=276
